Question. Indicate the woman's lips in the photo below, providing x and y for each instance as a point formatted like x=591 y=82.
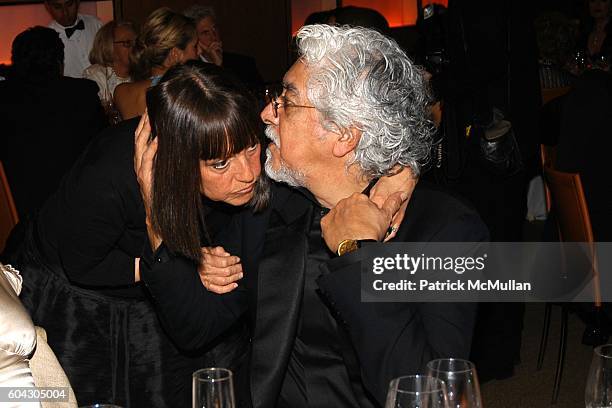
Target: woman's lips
x=246 y=190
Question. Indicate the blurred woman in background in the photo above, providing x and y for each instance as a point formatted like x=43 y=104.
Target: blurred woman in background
x=166 y=39
x=109 y=59
x=595 y=36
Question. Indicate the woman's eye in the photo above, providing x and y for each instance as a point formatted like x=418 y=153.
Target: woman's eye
x=220 y=165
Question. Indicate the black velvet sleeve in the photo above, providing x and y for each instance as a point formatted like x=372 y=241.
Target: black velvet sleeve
x=95 y=217
x=393 y=339
x=94 y=224
x=191 y=315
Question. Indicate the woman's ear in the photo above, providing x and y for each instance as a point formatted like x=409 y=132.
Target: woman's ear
x=173 y=58
x=346 y=141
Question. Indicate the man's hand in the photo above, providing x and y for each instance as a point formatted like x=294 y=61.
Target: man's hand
x=356 y=217
x=403 y=181
x=213 y=53
x=219 y=270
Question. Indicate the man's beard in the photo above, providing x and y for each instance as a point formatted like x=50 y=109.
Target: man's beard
x=283 y=174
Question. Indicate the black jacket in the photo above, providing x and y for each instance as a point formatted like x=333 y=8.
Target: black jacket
x=390 y=339
x=44 y=129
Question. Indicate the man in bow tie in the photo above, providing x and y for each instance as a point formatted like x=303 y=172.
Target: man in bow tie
x=77 y=32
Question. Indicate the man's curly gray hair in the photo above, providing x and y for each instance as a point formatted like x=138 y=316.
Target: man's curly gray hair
x=360 y=78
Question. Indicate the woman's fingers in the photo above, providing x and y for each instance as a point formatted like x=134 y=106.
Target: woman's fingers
x=220 y=289
x=141 y=145
x=219 y=270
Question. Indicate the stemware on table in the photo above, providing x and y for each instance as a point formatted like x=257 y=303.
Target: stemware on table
x=598 y=391
x=213 y=388
x=416 y=391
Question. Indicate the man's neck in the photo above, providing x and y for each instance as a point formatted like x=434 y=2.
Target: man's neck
x=334 y=186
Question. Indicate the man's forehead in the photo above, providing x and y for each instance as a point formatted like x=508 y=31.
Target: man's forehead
x=294 y=80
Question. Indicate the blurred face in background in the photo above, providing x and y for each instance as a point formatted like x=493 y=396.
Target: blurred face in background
x=599 y=9
x=207 y=32
x=123 y=41
x=63 y=11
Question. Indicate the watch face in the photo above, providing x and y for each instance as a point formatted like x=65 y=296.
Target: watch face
x=346 y=246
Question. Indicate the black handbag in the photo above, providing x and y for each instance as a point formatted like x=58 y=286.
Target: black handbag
x=499 y=150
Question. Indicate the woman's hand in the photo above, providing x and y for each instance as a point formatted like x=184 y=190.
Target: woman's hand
x=219 y=270
x=144 y=157
x=404 y=182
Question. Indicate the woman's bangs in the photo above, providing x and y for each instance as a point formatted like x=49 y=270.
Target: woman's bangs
x=227 y=139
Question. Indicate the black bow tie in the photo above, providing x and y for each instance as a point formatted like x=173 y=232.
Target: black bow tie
x=71 y=30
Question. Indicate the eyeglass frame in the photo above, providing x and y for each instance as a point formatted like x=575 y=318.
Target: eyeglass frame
x=273 y=95
x=125 y=43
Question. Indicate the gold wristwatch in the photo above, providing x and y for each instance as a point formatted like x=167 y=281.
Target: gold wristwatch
x=350 y=245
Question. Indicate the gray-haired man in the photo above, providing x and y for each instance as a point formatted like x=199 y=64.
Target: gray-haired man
x=353 y=108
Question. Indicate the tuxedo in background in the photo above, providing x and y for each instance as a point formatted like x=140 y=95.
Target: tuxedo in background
x=313 y=342
x=78 y=44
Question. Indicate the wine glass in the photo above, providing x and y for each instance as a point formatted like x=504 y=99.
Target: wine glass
x=598 y=391
x=416 y=391
x=461 y=381
x=213 y=388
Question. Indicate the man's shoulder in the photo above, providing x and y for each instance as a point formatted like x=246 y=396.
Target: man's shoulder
x=434 y=213
x=90 y=20
x=77 y=85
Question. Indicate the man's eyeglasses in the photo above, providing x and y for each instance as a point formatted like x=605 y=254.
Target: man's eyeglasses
x=273 y=95
x=125 y=43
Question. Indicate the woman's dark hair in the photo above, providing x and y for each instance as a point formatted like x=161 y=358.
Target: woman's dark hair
x=198 y=112
x=37 y=55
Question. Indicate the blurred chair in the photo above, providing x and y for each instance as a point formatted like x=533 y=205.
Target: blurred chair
x=548 y=157
x=8 y=211
x=567 y=200
x=548 y=94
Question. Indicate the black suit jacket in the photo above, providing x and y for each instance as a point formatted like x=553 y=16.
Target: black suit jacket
x=245 y=68
x=44 y=129
x=390 y=339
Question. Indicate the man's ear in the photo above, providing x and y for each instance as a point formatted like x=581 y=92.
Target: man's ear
x=347 y=141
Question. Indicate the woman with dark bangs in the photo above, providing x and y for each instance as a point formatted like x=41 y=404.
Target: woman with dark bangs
x=80 y=257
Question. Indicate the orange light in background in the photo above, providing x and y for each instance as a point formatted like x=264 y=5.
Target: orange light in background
x=17 y=18
x=397 y=12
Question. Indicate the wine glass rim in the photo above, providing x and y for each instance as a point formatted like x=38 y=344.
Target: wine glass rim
x=470 y=365
x=598 y=350
x=227 y=374
x=439 y=384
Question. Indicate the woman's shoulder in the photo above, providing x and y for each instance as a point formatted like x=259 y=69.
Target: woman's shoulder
x=130 y=88
x=95 y=71
x=110 y=154
x=130 y=98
